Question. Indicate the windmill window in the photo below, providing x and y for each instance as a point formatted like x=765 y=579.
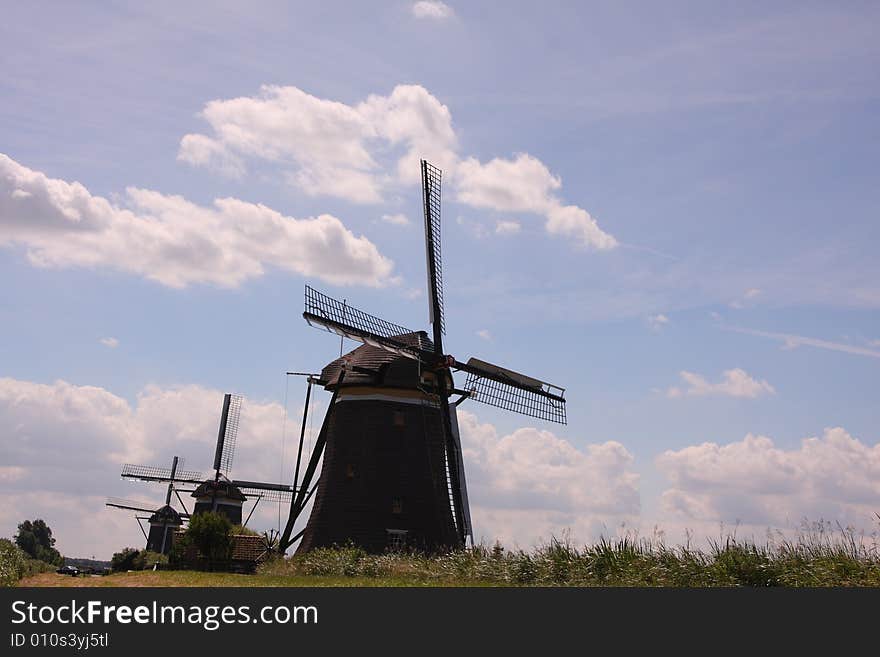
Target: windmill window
x=399 y=419
x=397 y=506
x=350 y=471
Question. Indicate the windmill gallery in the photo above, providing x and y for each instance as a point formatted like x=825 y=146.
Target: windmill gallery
x=391 y=470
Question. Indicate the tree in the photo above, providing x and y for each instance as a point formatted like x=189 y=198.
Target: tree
x=36 y=540
x=129 y=559
x=211 y=532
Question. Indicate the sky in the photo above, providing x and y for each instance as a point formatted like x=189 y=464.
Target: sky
x=669 y=210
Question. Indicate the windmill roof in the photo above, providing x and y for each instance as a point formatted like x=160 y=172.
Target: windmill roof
x=222 y=488
x=391 y=367
x=165 y=514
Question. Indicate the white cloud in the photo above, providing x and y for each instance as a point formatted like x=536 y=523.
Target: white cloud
x=332 y=148
x=792 y=341
x=748 y=295
x=109 y=342
x=432 y=9
x=326 y=146
x=507 y=227
x=657 y=322
x=834 y=477
x=173 y=241
x=395 y=219
x=64 y=445
x=734 y=383
x=525 y=184
x=530 y=485
x=484 y=333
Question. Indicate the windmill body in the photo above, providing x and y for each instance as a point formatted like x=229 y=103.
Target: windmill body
x=383 y=482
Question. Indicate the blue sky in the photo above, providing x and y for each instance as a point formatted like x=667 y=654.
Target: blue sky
x=729 y=152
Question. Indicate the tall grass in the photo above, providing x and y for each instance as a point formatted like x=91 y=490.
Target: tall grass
x=815 y=556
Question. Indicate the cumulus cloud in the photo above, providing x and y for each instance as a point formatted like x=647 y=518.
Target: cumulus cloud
x=734 y=383
x=525 y=184
x=327 y=147
x=657 y=322
x=835 y=477
x=395 y=219
x=331 y=148
x=109 y=342
x=507 y=227
x=530 y=485
x=174 y=241
x=484 y=333
x=432 y=9
x=64 y=445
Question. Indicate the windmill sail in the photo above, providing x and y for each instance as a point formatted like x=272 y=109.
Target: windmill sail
x=512 y=391
x=226 y=435
x=164 y=475
x=334 y=316
x=130 y=505
x=431 y=177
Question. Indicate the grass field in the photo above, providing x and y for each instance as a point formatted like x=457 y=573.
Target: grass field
x=199 y=579
x=816 y=558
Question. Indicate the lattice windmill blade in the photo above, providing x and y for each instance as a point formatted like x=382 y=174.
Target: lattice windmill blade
x=229 y=419
x=497 y=386
x=267 y=492
x=163 y=475
x=334 y=316
x=129 y=505
x=431 y=177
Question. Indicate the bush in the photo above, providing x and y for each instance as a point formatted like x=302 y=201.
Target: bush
x=129 y=559
x=211 y=533
x=15 y=564
x=12 y=563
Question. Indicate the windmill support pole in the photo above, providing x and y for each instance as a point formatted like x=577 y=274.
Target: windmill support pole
x=146 y=538
x=179 y=499
x=452 y=460
x=254 y=508
x=298 y=502
x=302 y=433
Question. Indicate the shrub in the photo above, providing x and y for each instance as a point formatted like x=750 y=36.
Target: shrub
x=129 y=559
x=12 y=563
x=211 y=533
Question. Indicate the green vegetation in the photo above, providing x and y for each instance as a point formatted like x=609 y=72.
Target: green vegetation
x=210 y=534
x=35 y=539
x=133 y=559
x=16 y=564
x=817 y=557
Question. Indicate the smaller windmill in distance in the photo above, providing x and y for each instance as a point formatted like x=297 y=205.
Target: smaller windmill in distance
x=216 y=492
x=163 y=521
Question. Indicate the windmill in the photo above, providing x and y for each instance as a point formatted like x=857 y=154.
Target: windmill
x=392 y=473
x=215 y=492
x=163 y=521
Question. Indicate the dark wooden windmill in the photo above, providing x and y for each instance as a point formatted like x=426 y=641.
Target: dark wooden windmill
x=165 y=520
x=215 y=492
x=392 y=473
